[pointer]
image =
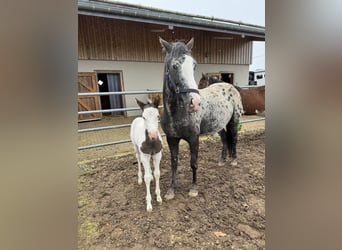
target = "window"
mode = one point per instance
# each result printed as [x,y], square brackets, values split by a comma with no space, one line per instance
[259,76]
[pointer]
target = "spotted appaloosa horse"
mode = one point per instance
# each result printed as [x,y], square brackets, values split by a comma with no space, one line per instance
[189,112]
[148,144]
[253,99]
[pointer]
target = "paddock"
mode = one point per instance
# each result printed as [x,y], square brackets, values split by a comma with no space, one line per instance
[229,212]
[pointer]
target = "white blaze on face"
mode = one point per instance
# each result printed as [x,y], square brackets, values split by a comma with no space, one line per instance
[188,76]
[151,118]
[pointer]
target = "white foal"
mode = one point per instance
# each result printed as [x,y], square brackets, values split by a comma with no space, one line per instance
[147,143]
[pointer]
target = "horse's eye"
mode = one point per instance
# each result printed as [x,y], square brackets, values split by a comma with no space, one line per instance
[175,66]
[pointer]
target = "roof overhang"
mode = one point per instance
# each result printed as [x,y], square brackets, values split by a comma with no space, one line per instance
[123,11]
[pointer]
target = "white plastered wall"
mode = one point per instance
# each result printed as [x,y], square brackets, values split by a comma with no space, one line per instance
[149,76]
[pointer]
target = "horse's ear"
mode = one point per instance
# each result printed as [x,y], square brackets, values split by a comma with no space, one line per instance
[165,45]
[156,101]
[190,44]
[140,103]
[203,75]
[149,101]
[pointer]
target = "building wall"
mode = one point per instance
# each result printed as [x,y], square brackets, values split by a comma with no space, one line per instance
[102,38]
[149,75]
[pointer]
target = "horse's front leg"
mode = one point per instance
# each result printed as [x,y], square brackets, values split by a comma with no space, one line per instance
[145,159]
[194,144]
[156,163]
[137,154]
[174,147]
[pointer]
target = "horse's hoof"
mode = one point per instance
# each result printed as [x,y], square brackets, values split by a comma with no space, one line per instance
[149,208]
[221,163]
[169,195]
[193,192]
[139,181]
[159,199]
[234,163]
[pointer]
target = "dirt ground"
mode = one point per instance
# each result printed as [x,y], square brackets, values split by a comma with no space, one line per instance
[228,213]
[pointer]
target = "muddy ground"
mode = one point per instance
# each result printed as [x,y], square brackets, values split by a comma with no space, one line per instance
[228,213]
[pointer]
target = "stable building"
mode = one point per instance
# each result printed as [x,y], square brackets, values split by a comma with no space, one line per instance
[119,50]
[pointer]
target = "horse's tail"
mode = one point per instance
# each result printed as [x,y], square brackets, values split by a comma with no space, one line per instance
[238,107]
[232,127]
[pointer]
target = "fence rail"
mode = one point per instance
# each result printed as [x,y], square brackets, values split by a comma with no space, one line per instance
[250,86]
[121,109]
[121,93]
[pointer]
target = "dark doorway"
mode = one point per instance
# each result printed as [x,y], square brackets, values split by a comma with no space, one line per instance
[111,83]
[227,77]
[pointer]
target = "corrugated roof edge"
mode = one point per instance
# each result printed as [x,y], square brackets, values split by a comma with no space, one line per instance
[141,13]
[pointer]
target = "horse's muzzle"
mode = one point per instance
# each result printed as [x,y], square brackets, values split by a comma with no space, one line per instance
[153,135]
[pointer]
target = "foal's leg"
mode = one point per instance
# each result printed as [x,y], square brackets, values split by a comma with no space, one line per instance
[156,163]
[223,135]
[174,147]
[145,158]
[194,143]
[137,154]
[233,129]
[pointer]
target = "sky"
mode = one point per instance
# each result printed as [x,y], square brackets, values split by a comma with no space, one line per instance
[247,11]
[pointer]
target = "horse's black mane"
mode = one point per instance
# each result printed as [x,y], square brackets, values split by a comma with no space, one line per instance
[213,80]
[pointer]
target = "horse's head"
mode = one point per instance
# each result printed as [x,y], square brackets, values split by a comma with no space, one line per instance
[151,117]
[204,81]
[207,80]
[179,72]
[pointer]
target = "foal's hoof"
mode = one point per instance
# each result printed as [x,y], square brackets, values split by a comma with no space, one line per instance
[170,194]
[159,200]
[193,192]
[234,162]
[139,181]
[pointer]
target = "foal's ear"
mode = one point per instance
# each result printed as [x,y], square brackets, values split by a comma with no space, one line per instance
[165,45]
[156,101]
[203,75]
[190,44]
[141,104]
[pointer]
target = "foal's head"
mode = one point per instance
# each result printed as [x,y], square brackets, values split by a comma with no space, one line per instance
[179,70]
[151,117]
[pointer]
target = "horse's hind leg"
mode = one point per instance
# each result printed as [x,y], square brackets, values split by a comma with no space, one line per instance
[229,141]
[223,135]
[174,147]
[232,136]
